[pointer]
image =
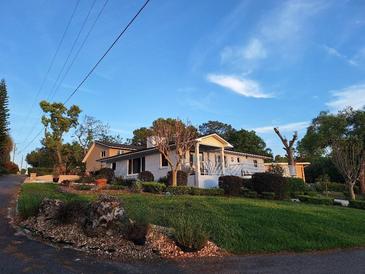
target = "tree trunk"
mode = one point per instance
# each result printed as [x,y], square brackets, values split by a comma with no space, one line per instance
[351,190]
[291,163]
[362,178]
[61,166]
[174,177]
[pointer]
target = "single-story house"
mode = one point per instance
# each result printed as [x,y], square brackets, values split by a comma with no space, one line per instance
[100,150]
[215,158]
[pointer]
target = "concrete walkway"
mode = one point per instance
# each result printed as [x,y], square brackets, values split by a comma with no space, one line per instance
[21,255]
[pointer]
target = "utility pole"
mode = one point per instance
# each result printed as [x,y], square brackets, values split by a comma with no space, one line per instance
[21,164]
[14,149]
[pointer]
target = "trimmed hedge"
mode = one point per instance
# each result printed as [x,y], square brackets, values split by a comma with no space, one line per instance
[270,182]
[357,204]
[315,200]
[187,190]
[296,186]
[146,176]
[153,187]
[268,195]
[40,170]
[123,181]
[231,185]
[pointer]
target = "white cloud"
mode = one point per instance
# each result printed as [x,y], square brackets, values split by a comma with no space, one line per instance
[352,96]
[241,86]
[297,126]
[253,50]
[333,52]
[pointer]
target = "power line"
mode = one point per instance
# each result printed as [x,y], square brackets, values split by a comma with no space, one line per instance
[107,51]
[51,64]
[97,63]
[53,89]
[81,46]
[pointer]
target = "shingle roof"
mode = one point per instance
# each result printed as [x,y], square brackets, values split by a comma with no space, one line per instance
[117,145]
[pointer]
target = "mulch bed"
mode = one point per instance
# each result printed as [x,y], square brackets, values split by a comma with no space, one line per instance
[158,243]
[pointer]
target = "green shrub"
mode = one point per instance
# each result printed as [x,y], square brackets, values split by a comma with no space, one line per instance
[357,204]
[136,187]
[268,195]
[207,191]
[329,186]
[182,178]
[315,200]
[146,176]
[28,205]
[164,180]
[153,187]
[86,180]
[40,170]
[231,185]
[189,234]
[116,187]
[296,186]
[179,190]
[251,194]
[10,167]
[123,181]
[270,182]
[83,187]
[105,173]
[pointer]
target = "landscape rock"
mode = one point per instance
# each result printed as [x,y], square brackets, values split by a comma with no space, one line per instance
[49,208]
[106,216]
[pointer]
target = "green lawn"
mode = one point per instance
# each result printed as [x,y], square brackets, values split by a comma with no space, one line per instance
[241,225]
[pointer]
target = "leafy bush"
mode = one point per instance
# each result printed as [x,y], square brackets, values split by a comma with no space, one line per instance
[276,169]
[329,186]
[207,191]
[231,184]
[179,190]
[11,167]
[40,170]
[182,178]
[3,170]
[270,182]
[164,180]
[268,195]
[123,181]
[105,173]
[136,187]
[83,187]
[116,187]
[153,187]
[357,204]
[315,200]
[146,176]
[189,234]
[248,193]
[296,186]
[86,180]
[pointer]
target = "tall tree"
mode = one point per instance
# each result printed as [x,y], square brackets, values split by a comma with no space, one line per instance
[222,129]
[348,156]
[289,149]
[249,142]
[327,128]
[140,136]
[57,121]
[4,122]
[89,130]
[173,139]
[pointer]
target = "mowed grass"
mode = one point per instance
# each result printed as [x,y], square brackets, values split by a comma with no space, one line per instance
[242,225]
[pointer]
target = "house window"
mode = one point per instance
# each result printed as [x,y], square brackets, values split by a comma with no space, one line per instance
[238,159]
[136,165]
[103,154]
[164,162]
[114,166]
[255,163]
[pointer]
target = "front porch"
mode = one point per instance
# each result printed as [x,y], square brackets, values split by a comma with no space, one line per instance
[210,159]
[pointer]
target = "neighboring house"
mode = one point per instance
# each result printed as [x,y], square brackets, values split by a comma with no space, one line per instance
[215,159]
[299,168]
[100,150]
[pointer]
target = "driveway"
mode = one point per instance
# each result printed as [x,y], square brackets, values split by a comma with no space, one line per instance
[21,255]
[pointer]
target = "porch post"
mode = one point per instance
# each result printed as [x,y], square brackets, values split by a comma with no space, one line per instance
[222,160]
[197,165]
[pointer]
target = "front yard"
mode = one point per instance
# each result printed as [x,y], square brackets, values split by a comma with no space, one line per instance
[239,225]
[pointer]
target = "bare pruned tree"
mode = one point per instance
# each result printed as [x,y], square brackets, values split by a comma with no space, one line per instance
[173,139]
[288,147]
[348,156]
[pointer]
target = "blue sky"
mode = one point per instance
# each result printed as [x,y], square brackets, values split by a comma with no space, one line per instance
[253,64]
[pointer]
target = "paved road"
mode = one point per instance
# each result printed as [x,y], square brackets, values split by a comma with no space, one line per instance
[21,255]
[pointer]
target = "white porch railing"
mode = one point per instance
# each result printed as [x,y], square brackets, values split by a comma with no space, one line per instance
[238,169]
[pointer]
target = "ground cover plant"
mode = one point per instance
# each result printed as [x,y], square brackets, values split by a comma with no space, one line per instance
[237,224]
